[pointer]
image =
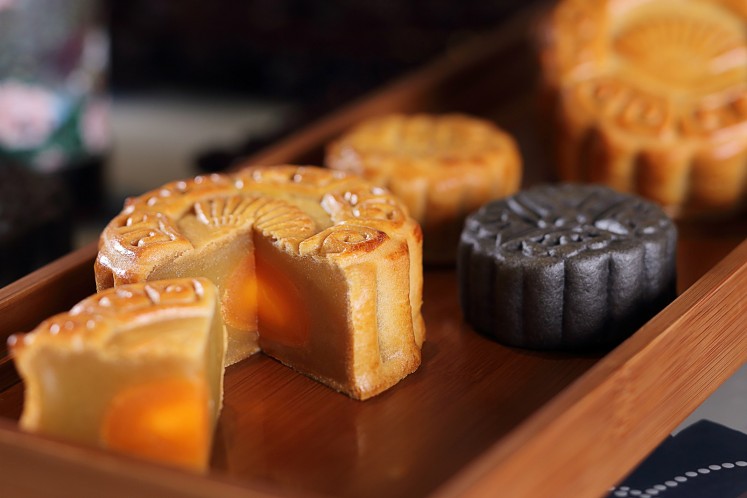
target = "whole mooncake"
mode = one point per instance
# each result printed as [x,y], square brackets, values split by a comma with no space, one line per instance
[650,97]
[442,166]
[565,266]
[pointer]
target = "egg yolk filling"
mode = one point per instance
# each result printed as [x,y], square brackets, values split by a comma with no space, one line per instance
[261,296]
[166,421]
[282,316]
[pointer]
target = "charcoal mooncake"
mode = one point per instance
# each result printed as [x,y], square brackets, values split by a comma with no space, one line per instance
[565,266]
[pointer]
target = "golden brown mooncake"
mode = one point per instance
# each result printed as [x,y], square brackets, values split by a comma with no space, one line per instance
[650,97]
[137,369]
[316,268]
[442,167]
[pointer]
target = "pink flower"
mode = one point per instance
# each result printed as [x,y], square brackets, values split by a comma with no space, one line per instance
[94,125]
[7,4]
[27,115]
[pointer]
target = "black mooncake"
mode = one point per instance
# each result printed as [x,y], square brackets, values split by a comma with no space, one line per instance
[565,267]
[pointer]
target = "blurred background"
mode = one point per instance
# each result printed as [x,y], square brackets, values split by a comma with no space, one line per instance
[245,73]
[103,99]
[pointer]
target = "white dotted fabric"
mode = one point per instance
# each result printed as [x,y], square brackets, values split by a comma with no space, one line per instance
[661,489]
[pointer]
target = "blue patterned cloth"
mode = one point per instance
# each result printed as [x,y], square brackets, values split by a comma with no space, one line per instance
[706,460]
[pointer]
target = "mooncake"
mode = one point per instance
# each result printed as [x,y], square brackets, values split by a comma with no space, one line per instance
[137,370]
[566,267]
[319,269]
[442,166]
[650,97]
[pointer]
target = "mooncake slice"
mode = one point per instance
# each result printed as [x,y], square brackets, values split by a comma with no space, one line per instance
[319,269]
[137,369]
[566,267]
[442,166]
[650,97]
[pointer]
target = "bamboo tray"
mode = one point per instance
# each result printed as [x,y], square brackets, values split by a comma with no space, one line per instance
[477,419]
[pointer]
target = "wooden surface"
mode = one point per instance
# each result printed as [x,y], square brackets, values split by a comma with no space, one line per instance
[477,419]
[622,407]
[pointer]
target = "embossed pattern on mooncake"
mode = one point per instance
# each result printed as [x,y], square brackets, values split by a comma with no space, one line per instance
[442,167]
[565,266]
[649,98]
[682,51]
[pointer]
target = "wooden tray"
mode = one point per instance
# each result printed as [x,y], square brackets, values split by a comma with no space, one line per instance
[477,418]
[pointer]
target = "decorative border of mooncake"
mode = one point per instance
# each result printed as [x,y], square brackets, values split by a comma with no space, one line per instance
[95,316]
[362,216]
[690,157]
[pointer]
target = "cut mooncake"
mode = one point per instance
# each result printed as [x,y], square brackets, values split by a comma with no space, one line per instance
[316,268]
[566,267]
[650,97]
[137,369]
[441,166]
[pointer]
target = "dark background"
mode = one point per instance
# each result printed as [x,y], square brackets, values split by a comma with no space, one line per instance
[311,56]
[313,53]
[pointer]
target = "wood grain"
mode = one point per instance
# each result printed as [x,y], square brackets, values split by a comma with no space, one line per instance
[301,435]
[40,467]
[617,412]
[477,419]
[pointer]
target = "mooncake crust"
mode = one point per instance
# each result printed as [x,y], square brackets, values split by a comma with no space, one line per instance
[96,321]
[566,267]
[650,98]
[441,166]
[311,214]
